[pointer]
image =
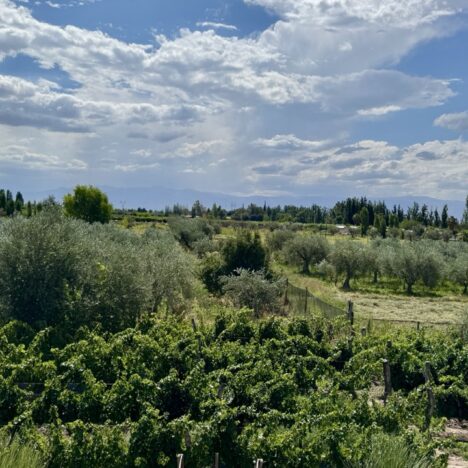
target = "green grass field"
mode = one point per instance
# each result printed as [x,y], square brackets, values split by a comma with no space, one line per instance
[385,303]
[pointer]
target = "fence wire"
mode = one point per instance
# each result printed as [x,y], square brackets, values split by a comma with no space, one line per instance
[301,302]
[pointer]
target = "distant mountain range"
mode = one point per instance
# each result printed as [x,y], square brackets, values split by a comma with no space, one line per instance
[157,198]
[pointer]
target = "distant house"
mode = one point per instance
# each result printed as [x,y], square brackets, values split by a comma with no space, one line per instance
[342,229]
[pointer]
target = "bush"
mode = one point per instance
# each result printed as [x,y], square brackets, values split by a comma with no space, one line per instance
[252,290]
[56,270]
[244,251]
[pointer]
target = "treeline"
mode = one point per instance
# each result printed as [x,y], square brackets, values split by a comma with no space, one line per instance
[12,205]
[9,204]
[352,211]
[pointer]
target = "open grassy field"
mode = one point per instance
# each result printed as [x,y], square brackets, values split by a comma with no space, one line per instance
[384,304]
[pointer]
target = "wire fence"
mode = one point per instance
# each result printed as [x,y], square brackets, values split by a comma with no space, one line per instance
[300,302]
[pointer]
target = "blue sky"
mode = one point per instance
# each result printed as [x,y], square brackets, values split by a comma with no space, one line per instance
[306,97]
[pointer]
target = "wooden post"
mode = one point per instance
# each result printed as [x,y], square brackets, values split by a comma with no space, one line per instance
[429,378]
[306,298]
[259,463]
[180,460]
[418,326]
[220,391]
[363,331]
[195,329]
[188,439]
[387,380]
[431,403]
[286,293]
[216,460]
[351,312]
[389,344]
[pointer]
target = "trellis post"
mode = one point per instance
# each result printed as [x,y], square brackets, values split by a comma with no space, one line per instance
[387,380]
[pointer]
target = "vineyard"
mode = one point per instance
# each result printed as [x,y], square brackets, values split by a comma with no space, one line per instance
[292,392]
[179,347]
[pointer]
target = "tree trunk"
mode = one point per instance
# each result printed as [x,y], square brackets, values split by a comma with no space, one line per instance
[376,277]
[346,283]
[465,290]
[409,288]
[305,268]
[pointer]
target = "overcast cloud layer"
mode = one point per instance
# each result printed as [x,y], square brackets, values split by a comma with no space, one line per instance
[268,113]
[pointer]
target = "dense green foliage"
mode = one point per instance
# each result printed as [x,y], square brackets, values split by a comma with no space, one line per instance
[253,290]
[292,392]
[89,204]
[245,251]
[56,270]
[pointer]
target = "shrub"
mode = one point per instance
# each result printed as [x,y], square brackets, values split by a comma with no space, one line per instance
[252,290]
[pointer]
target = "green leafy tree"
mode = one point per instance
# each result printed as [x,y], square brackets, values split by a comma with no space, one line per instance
[89,204]
[349,260]
[29,209]
[19,202]
[244,251]
[276,239]
[190,231]
[465,212]
[444,217]
[198,209]
[416,261]
[41,260]
[364,215]
[305,251]
[2,199]
[10,207]
[251,289]
[458,270]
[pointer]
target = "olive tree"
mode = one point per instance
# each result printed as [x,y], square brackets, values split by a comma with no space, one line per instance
[458,271]
[42,265]
[414,261]
[189,231]
[57,270]
[253,290]
[304,251]
[170,271]
[349,259]
[117,290]
[430,263]
[276,240]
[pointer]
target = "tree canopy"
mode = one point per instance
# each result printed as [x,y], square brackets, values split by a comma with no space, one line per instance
[89,204]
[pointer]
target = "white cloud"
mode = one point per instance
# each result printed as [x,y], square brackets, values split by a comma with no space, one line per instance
[288,143]
[214,25]
[201,98]
[20,157]
[456,121]
[377,168]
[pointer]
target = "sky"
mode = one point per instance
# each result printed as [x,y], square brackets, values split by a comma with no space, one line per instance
[253,97]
